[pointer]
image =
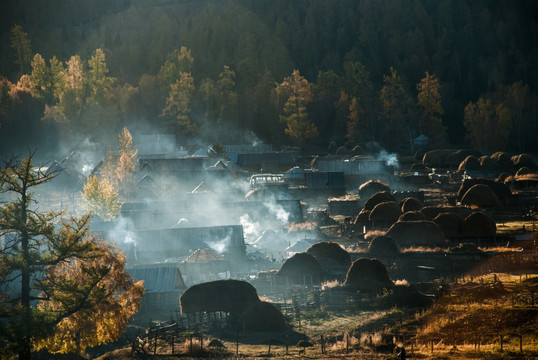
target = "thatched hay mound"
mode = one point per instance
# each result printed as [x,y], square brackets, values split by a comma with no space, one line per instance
[469,163]
[386,213]
[363,218]
[430,212]
[357,150]
[378,198]
[454,158]
[419,154]
[383,246]
[487,163]
[368,274]
[479,224]
[412,216]
[501,190]
[233,296]
[481,196]
[330,254]
[370,188]
[300,265]
[342,150]
[524,171]
[466,248]
[522,160]
[502,177]
[411,204]
[503,159]
[416,233]
[436,158]
[262,317]
[449,223]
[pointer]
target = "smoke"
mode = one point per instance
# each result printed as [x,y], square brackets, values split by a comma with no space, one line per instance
[277,210]
[391,159]
[251,229]
[123,232]
[220,246]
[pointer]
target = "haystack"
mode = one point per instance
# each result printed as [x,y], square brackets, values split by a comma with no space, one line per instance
[378,198]
[469,163]
[449,223]
[481,196]
[487,163]
[368,274]
[524,171]
[233,296]
[503,159]
[479,224]
[363,218]
[436,158]
[501,190]
[357,150]
[385,213]
[410,204]
[262,317]
[301,267]
[502,177]
[416,233]
[370,188]
[412,216]
[430,212]
[383,246]
[330,255]
[522,160]
[454,158]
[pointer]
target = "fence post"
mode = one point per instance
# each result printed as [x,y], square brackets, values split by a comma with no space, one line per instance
[237,342]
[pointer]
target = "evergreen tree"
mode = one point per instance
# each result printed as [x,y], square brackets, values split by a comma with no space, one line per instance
[21,44]
[429,102]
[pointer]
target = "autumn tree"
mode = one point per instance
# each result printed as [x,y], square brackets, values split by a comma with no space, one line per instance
[177,108]
[295,92]
[397,112]
[177,61]
[21,45]
[55,275]
[100,198]
[517,99]
[488,124]
[127,161]
[431,110]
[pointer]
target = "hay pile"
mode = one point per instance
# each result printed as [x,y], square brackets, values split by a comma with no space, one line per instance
[367,274]
[469,163]
[378,198]
[383,246]
[479,225]
[502,177]
[523,160]
[301,265]
[363,218]
[487,163]
[385,213]
[524,171]
[418,167]
[501,190]
[503,159]
[370,188]
[231,296]
[416,233]
[449,223]
[481,196]
[412,216]
[411,204]
[436,158]
[454,158]
[262,317]
[330,255]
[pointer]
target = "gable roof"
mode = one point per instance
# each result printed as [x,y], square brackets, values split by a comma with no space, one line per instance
[203,255]
[159,278]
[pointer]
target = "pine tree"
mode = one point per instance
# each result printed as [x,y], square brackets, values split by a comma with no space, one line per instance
[53,270]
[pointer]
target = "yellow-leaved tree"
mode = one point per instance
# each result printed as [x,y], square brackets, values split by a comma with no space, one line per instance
[100,197]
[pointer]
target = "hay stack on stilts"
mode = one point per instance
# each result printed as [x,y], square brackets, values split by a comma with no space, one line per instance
[378,198]
[332,258]
[383,247]
[262,317]
[301,268]
[416,233]
[370,188]
[412,216]
[479,225]
[368,275]
[385,214]
[410,204]
[481,196]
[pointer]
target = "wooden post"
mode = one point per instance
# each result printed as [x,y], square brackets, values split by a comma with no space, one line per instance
[201,343]
[501,343]
[347,343]
[322,341]
[286,344]
[432,346]
[190,349]
[172,344]
[156,335]
[520,343]
[269,351]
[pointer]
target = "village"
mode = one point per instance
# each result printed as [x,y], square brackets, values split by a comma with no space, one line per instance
[259,241]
